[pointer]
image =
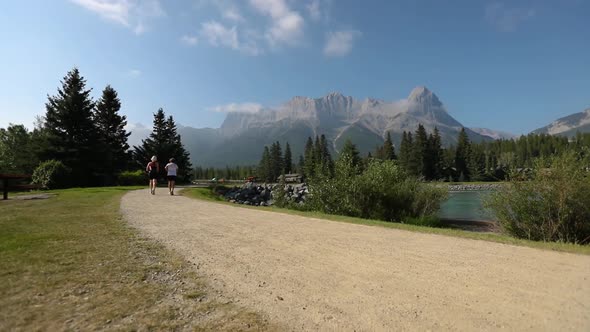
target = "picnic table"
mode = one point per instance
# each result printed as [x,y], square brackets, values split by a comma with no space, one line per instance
[7,177]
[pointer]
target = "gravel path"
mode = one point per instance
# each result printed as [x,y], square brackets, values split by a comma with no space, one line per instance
[311,274]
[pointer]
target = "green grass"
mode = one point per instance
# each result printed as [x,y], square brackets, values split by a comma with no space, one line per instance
[70,263]
[207,194]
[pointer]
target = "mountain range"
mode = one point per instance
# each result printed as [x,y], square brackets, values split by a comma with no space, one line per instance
[568,125]
[242,136]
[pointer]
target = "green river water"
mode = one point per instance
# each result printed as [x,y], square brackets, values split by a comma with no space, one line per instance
[465,205]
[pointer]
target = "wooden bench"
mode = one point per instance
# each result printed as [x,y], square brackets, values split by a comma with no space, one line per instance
[6,178]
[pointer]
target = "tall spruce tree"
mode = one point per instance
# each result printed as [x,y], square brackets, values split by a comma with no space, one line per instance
[387,151]
[276,157]
[435,155]
[421,151]
[309,159]
[71,133]
[404,151]
[326,162]
[462,156]
[265,167]
[112,135]
[177,151]
[164,142]
[288,159]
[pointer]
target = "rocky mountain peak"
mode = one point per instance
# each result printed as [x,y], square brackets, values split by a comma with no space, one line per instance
[422,95]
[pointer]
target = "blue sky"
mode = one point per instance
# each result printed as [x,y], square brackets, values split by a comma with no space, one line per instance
[506,65]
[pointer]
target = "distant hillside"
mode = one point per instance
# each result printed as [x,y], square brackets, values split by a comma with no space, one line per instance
[495,134]
[568,125]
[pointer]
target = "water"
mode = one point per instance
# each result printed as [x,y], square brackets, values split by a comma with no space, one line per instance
[466,205]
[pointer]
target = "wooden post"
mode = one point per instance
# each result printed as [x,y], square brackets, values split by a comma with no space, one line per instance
[5,182]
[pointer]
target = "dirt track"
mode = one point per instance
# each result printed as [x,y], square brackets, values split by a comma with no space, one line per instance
[311,274]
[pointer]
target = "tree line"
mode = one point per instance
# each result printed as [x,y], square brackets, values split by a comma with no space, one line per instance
[422,155]
[86,138]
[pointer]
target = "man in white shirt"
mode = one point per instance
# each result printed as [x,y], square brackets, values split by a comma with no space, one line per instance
[171,171]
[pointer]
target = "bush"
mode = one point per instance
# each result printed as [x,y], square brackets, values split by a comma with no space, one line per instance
[383,191]
[132,178]
[552,205]
[52,174]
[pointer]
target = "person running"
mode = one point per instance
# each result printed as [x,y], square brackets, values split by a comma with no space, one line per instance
[171,170]
[153,169]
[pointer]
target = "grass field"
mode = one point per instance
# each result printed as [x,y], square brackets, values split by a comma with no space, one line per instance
[71,263]
[207,194]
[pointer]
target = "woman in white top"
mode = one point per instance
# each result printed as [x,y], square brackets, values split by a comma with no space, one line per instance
[171,170]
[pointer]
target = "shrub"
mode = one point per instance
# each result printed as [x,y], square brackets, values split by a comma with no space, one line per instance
[52,174]
[552,205]
[132,178]
[383,191]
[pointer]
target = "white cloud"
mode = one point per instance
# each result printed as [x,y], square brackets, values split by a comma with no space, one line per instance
[219,35]
[286,26]
[339,43]
[237,108]
[134,73]
[507,19]
[232,14]
[189,40]
[129,13]
[313,8]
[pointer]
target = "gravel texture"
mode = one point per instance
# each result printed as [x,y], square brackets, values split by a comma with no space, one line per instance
[311,274]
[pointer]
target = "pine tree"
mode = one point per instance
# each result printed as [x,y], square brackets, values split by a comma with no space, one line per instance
[326,162]
[264,167]
[309,159]
[404,151]
[175,149]
[413,163]
[276,157]
[388,151]
[435,155]
[164,142]
[71,133]
[462,155]
[288,159]
[152,146]
[420,151]
[111,134]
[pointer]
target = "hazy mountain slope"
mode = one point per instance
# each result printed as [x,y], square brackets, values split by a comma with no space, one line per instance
[495,134]
[568,125]
[242,136]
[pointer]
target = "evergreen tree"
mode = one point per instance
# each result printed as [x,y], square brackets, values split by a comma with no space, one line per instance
[404,150]
[264,167]
[152,146]
[435,170]
[288,159]
[111,134]
[350,151]
[276,158]
[71,133]
[326,162]
[421,152]
[175,149]
[164,142]
[301,165]
[388,149]
[462,155]
[309,159]
[414,162]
